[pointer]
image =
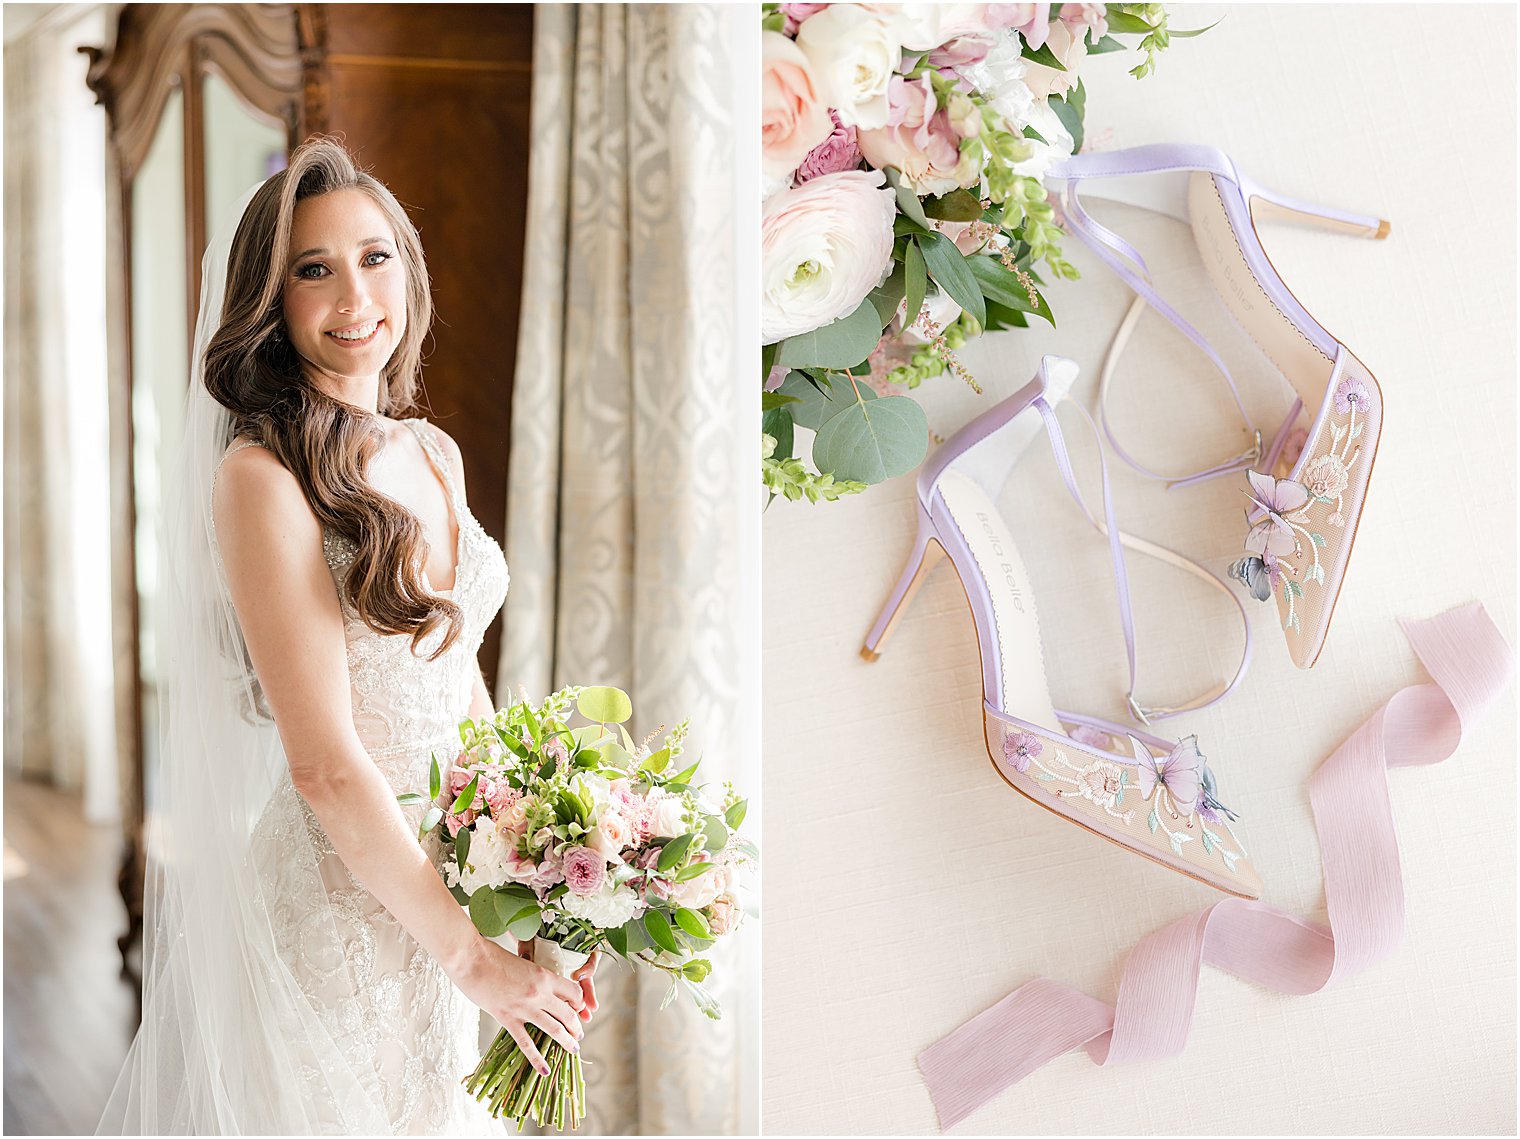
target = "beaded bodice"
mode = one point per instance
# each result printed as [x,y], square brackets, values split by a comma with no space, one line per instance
[403,702]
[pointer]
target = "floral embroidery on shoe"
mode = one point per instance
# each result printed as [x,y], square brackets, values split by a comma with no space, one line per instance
[1275,545]
[1019,748]
[1178,787]
[1092,737]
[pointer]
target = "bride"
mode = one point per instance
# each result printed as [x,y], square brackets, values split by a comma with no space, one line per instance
[307,970]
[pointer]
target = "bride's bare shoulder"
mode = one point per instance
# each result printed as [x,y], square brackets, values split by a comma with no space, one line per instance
[255,490]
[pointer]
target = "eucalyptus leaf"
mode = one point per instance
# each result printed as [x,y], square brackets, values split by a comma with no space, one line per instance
[842,344]
[886,297]
[948,267]
[715,832]
[657,761]
[485,913]
[815,407]
[617,938]
[605,705]
[771,401]
[526,927]
[459,895]
[875,441]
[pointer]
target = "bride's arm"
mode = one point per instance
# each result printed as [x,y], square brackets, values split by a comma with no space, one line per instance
[283,594]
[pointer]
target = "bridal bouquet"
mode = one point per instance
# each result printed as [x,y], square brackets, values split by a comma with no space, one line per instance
[903,151]
[578,839]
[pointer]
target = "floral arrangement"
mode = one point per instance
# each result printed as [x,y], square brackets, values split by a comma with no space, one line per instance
[579,840]
[902,154]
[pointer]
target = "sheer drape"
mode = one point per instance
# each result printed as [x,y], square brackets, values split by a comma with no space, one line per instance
[632,511]
[59,714]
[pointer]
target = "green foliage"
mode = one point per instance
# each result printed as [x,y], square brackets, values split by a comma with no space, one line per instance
[605,705]
[873,442]
[842,344]
[790,479]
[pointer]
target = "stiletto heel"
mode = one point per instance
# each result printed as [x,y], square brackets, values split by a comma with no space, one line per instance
[1149,795]
[1299,529]
[926,554]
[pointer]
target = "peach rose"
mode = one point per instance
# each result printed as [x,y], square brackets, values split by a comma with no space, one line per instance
[793,119]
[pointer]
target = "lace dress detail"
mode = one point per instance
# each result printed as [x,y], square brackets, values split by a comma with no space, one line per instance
[388,1007]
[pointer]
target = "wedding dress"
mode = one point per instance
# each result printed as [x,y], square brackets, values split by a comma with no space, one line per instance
[387,1005]
[279,996]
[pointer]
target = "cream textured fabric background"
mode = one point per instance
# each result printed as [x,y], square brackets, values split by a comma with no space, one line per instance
[907,888]
[631,506]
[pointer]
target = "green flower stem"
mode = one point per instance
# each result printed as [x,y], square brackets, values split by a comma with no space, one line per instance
[509,1086]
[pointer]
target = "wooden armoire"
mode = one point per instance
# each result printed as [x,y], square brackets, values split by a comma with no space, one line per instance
[203,100]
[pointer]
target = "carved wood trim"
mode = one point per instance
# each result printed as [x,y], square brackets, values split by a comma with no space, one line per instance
[316,80]
[253,46]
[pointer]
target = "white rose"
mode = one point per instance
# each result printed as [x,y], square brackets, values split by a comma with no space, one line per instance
[854,54]
[669,817]
[1056,147]
[595,787]
[824,246]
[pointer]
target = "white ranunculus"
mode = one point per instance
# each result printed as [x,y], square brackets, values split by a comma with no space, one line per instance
[609,907]
[854,54]
[824,246]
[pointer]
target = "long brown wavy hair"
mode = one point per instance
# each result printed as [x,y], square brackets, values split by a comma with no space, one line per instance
[252,369]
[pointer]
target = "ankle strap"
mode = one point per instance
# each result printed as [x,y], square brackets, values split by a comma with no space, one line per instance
[1127,263]
[1117,541]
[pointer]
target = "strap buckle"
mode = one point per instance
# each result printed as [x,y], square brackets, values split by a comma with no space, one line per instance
[1141,714]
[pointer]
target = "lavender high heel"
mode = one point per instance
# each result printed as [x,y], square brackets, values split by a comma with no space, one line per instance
[1152,796]
[1299,529]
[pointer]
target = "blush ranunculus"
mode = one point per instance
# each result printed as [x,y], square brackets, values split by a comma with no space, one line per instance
[613,832]
[724,914]
[1070,47]
[1032,21]
[824,246]
[793,117]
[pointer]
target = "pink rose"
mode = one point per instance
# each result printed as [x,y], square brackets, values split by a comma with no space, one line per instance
[824,246]
[695,893]
[584,870]
[793,119]
[838,152]
[1032,21]
[724,914]
[921,139]
[1085,16]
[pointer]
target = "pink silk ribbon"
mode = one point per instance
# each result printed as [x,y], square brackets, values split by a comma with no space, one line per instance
[1472,665]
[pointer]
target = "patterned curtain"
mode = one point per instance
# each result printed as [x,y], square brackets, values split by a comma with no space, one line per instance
[60,716]
[632,517]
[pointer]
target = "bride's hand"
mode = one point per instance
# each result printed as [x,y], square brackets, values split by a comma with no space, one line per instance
[585,975]
[518,993]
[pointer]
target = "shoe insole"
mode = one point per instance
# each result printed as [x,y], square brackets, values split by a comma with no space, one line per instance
[1009,616]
